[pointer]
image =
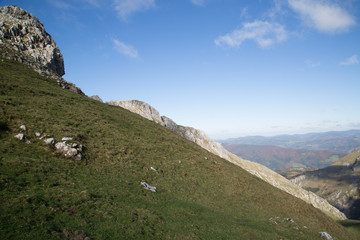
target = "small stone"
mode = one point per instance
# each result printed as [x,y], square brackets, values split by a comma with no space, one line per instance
[74,145]
[27,141]
[326,235]
[37,134]
[154,170]
[148,187]
[23,127]
[20,136]
[49,141]
[67,139]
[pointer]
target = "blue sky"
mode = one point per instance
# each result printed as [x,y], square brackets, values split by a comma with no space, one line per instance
[229,67]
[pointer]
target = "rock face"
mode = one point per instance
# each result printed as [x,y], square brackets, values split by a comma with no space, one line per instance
[200,138]
[141,108]
[23,38]
[24,33]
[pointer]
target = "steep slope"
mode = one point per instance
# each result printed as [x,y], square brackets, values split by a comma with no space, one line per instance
[338,183]
[279,158]
[199,195]
[200,138]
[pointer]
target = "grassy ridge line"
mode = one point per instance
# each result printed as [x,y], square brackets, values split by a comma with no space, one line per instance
[47,197]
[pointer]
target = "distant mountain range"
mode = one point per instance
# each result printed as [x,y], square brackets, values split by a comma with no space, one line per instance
[278,158]
[312,150]
[338,141]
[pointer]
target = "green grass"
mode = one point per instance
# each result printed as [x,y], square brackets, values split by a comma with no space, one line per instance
[332,159]
[352,225]
[199,195]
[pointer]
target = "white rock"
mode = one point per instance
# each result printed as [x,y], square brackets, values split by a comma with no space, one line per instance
[66,149]
[37,134]
[49,141]
[20,136]
[23,127]
[148,187]
[154,170]
[67,139]
[325,235]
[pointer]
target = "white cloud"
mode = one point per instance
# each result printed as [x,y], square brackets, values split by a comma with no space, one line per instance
[198,2]
[59,4]
[312,64]
[125,49]
[262,32]
[351,60]
[91,2]
[324,16]
[127,7]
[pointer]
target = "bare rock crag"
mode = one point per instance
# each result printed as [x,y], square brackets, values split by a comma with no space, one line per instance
[25,33]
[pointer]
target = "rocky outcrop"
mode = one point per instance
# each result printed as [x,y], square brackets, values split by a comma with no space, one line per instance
[97,98]
[25,33]
[201,138]
[23,39]
[141,108]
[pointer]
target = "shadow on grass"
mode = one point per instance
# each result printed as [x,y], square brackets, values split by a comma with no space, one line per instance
[352,225]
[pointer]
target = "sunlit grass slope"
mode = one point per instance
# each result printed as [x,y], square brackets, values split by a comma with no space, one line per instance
[199,195]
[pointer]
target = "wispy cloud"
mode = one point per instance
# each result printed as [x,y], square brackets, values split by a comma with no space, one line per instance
[198,2]
[351,60]
[126,7]
[91,2]
[312,64]
[59,4]
[125,49]
[323,15]
[262,32]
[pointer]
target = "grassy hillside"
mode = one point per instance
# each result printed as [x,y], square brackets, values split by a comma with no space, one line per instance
[199,195]
[279,158]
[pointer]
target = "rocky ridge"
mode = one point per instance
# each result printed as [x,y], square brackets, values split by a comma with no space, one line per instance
[201,138]
[23,38]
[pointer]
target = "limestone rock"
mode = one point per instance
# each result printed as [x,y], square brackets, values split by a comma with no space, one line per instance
[20,136]
[24,33]
[141,108]
[23,127]
[23,38]
[97,98]
[148,187]
[49,141]
[68,151]
[325,235]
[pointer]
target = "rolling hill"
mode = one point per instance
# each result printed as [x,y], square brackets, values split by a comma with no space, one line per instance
[279,158]
[338,141]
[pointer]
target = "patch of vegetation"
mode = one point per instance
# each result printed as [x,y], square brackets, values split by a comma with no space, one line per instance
[332,159]
[199,195]
[314,190]
[352,225]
